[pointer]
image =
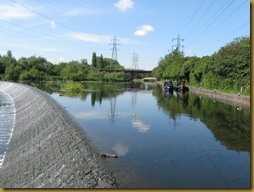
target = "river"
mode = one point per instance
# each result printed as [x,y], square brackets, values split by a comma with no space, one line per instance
[162,140]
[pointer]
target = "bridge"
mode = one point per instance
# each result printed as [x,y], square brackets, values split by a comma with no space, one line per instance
[131,73]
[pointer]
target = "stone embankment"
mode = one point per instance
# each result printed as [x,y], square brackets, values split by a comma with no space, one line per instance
[236,100]
[47,148]
[232,99]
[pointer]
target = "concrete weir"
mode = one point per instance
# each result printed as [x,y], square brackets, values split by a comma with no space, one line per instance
[47,148]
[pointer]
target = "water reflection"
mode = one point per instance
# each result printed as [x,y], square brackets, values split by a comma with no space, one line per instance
[120,149]
[140,125]
[91,115]
[229,125]
[113,114]
[168,94]
[185,141]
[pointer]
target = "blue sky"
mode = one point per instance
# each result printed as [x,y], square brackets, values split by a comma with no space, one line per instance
[65,30]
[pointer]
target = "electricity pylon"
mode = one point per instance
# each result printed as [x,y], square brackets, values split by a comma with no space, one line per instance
[178,43]
[135,61]
[114,49]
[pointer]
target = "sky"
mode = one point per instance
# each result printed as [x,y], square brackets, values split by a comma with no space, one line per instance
[66,30]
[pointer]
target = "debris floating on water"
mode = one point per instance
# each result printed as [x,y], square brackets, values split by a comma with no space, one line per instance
[105,155]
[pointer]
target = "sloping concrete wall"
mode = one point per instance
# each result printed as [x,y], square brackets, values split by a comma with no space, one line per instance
[47,148]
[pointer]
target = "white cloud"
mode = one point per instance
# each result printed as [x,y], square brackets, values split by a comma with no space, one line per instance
[30,46]
[79,11]
[14,12]
[143,30]
[53,24]
[130,41]
[48,49]
[124,5]
[93,38]
[56,60]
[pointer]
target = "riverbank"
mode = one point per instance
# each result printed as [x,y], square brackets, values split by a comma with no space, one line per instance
[236,100]
[47,148]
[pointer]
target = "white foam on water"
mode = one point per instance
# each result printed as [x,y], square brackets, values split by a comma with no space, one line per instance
[7,121]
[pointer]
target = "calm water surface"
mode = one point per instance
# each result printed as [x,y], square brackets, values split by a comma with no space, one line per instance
[164,141]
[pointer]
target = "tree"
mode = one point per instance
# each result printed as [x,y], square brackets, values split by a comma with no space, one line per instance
[12,72]
[231,65]
[9,54]
[101,63]
[94,60]
[228,69]
[32,75]
[2,67]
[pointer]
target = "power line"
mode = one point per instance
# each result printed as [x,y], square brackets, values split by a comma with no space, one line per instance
[222,10]
[24,27]
[203,16]
[54,10]
[23,22]
[35,31]
[42,15]
[200,5]
[59,12]
[227,17]
[222,38]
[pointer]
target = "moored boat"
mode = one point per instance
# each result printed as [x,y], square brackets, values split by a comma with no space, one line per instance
[168,85]
[180,86]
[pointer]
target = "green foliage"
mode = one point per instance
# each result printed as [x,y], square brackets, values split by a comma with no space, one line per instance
[38,69]
[74,71]
[119,76]
[111,64]
[94,60]
[71,86]
[12,72]
[101,63]
[95,75]
[32,75]
[226,70]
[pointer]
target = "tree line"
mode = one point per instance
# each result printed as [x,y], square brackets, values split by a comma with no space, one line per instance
[39,69]
[228,69]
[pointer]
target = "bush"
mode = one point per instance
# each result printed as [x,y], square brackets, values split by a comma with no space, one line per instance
[71,86]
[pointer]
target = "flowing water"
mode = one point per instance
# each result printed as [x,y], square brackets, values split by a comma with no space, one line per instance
[7,117]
